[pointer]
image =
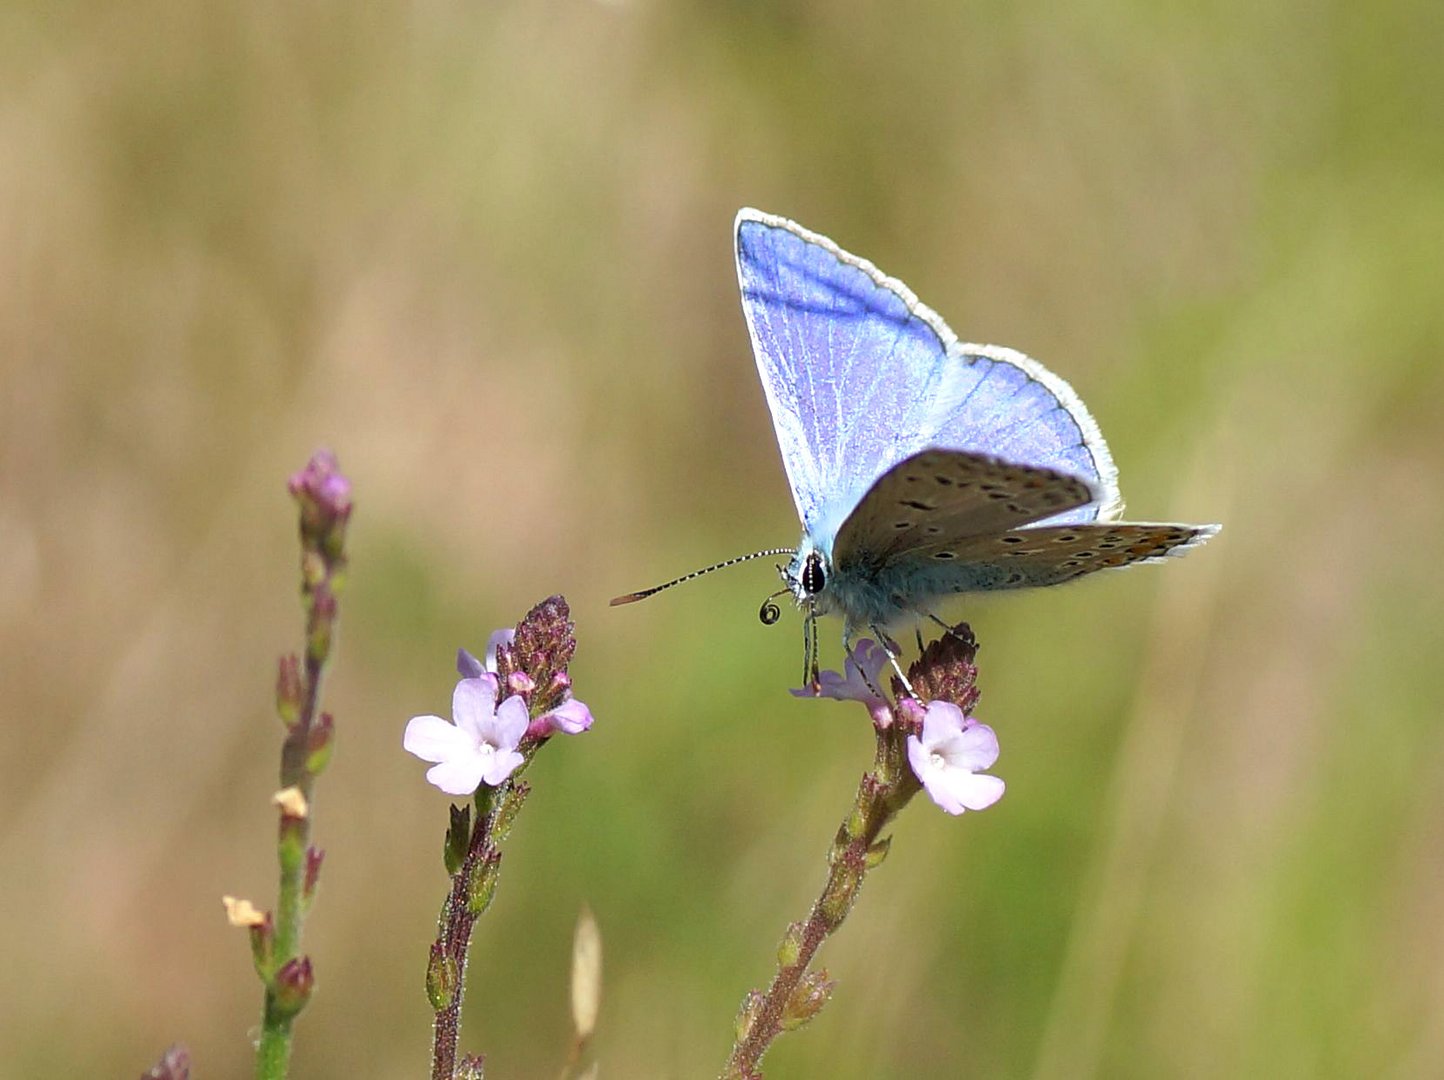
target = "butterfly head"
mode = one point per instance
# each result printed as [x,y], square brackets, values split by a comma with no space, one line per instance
[806,576]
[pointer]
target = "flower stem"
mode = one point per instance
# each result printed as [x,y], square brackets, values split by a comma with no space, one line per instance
[472,887]
[324,497]
[797,995]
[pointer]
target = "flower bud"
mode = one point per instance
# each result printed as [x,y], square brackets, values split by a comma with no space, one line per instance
[508,808]
[842,891]
[290,689]
[314,857]
[320,625]
[791,948]
[443,977]
[946,670]
[481,889]
[747,1014]
[458,838]
[319,741]
[324,495]
[807,1000]
[293,985]
[910,712]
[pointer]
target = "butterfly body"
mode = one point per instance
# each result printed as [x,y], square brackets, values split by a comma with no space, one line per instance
[921,467]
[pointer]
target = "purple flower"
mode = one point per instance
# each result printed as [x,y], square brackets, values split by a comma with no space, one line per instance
[323,486]
[480,747]
[571,717]
[949,755]
[862,681]
[469,667]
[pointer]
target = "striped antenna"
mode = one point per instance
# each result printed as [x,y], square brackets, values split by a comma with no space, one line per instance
[632,598]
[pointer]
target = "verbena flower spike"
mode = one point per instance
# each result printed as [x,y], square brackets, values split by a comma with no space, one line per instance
[926,740]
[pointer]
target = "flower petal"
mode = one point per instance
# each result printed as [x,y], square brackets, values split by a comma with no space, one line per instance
[460,775]
[974,748]
[979,791]
[505,730]
[468,666]
[473,703]
[501,765]
[504,636]
[942,721]
[957,791]
[861,671]
[868,659]
[571,717]
[952,787]
[433,739]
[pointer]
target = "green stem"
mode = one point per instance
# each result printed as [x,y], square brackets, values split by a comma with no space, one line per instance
[472,887]
[281,1007]
[881,794]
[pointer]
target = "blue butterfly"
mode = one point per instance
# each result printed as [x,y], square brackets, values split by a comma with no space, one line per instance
[921,467]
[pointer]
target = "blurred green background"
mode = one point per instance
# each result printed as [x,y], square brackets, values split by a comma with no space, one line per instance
[483,251]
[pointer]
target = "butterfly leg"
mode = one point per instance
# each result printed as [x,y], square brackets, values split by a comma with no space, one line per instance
[810,676]
[965,634]
[848,657]
[890,647]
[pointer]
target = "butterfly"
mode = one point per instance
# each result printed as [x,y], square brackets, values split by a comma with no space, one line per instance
[921,467]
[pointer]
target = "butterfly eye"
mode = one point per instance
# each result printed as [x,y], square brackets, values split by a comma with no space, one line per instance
[813,577]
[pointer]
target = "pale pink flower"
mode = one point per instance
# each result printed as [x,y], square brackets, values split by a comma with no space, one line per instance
[948,758]
[480,747]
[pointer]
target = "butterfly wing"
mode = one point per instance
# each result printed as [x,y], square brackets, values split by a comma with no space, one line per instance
[1048,555]
[950,521]
[859,374]
[944,496]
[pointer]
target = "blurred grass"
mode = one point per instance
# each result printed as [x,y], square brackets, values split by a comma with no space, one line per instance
[483,251]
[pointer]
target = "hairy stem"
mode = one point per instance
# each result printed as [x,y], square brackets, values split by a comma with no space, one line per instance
[324,498]
[795,994]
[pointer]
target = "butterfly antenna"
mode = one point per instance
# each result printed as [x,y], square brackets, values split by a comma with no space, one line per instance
[632,598]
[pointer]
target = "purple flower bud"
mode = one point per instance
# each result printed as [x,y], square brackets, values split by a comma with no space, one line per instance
[571,717]
[910,712]
[946,670]
[314,857]
[320,740]
[294,984]
[322,490]
[290,689]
